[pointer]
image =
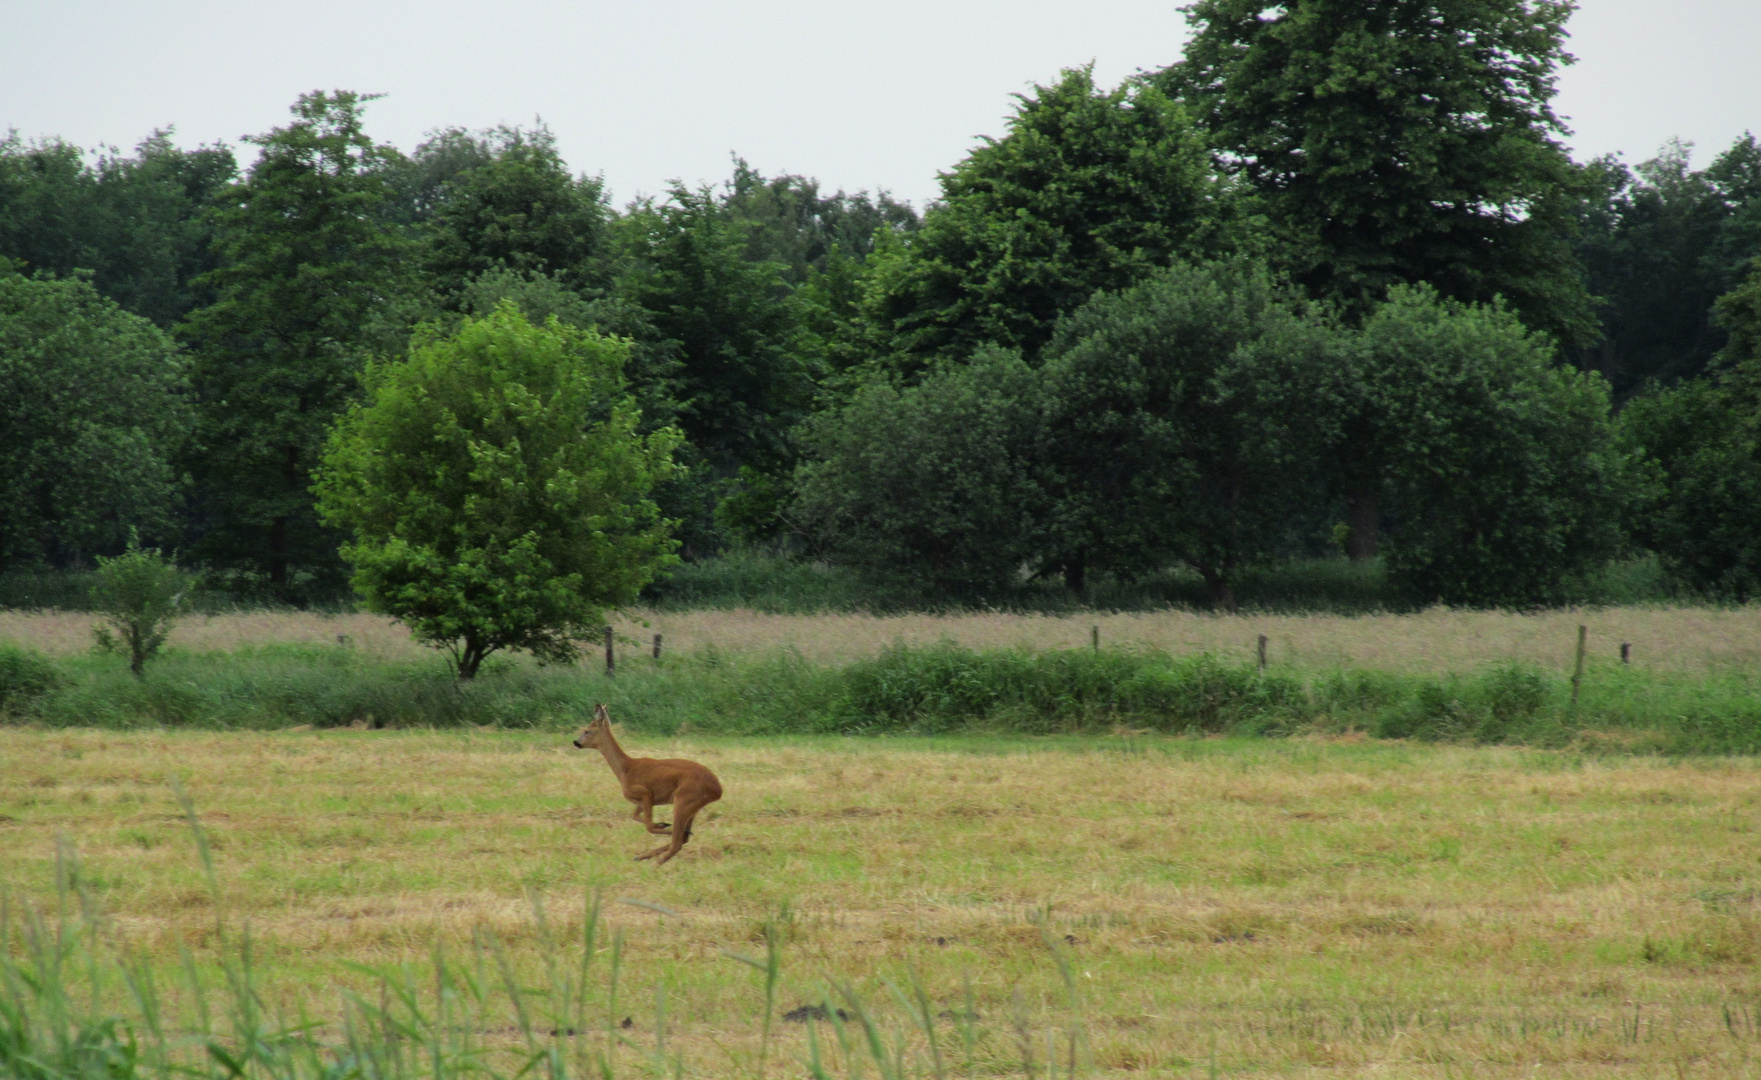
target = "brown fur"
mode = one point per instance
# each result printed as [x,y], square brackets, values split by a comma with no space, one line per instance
[652,782]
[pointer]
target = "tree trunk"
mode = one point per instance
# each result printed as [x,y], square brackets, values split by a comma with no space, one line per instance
[1076,573]
[1364,516]
[471,659]
[278,556]
[1222,591]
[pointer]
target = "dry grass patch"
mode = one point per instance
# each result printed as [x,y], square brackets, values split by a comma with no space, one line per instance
[1295,906]
[1690,640]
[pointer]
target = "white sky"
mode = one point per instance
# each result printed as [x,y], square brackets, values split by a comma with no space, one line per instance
[861,95]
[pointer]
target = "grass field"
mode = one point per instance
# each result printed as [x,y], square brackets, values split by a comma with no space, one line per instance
[1226,907]
[1683,640]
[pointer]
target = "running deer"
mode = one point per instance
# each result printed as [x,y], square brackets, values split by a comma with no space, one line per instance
[649,783]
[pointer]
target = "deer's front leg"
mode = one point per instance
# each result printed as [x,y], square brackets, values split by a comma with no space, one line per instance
[645,812]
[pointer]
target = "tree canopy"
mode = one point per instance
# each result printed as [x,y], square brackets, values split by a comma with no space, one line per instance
[307,268]
[91,416]
[495,483]
[1398,141]
[1088,189]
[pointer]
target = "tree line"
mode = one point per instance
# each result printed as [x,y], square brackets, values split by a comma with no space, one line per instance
[1330,281]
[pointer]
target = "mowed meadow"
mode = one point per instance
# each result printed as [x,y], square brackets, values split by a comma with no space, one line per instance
[1108,901]
[1172,906]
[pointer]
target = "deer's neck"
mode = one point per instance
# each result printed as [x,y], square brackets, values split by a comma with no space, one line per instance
[614,756]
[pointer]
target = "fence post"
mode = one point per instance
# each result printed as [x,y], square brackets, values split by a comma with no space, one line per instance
[1626,652]
[1577,674]
[1262,654]
[1094,637]
[657,646]
[611,660]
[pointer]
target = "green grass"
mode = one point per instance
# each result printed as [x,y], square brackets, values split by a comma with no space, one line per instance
[903,690]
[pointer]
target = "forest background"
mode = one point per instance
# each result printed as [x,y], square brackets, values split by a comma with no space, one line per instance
[1327,286]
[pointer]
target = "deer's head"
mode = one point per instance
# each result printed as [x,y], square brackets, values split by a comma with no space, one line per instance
[593,736]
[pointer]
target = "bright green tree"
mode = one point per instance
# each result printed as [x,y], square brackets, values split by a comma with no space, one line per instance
[1498,464]
[497,487]
[1398,141]
[307,266]
[91,418]
[1088,190]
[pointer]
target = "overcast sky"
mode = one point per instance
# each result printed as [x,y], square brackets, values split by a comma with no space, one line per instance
[861,95]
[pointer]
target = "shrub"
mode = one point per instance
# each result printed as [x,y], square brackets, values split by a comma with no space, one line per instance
[25,676]
[141,593]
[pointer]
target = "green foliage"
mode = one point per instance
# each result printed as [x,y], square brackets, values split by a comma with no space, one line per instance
[1661,243]
[1501,704]
[141,593]
[1186,414]
[932,482]
[517,208]
[1088,190]
[1699,448]
[1499,465]
[91,416]
[791,224]
[138,224]
[947,686]
[906,690]
[740,386]
[1389,142]
[308,268]
[26,676]
[497,487]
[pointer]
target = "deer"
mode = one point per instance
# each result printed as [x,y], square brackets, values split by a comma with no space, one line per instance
[652,782]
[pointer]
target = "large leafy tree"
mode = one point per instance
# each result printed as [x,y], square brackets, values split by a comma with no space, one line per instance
[740,384]
[1186,415]
[1089,189]
[307,266]
[138,223]
[1398,141]
[933,482]
[91,415]
[496,483]
[1497,464]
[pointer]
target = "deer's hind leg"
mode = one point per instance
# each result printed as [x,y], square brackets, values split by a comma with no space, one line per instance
[683,811]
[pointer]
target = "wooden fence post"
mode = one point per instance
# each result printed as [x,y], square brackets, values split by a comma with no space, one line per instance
[1626,652]
[1262,654]
[1577,674]
[657,646]
[1094,637]
[611,660]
